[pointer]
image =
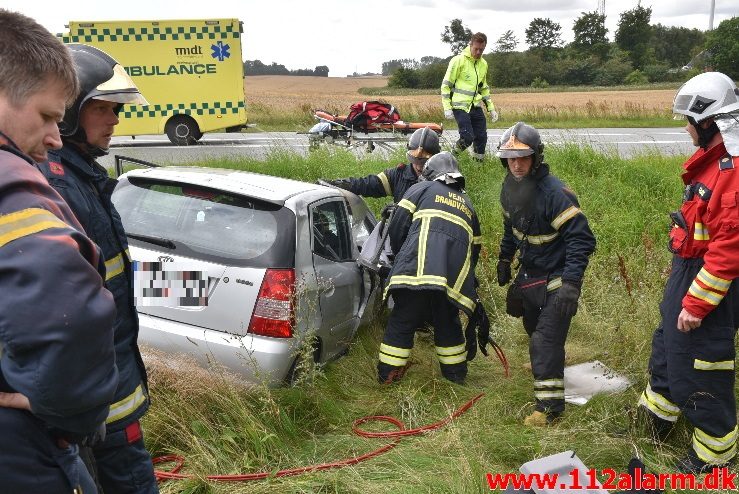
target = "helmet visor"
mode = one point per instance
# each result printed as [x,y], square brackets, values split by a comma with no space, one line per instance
[514,148]
[514,153]
[419,153]
[416,161]
[119,89]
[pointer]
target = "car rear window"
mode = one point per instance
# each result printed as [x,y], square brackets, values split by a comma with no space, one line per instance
[208,224]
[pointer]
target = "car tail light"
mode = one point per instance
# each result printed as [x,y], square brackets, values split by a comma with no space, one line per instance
[274,313]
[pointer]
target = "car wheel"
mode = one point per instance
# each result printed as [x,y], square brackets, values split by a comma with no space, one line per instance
[183,130]
[302,366]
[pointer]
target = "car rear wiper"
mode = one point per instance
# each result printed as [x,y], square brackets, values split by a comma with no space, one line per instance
[162,242]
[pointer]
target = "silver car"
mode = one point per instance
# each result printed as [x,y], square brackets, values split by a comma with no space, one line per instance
[276,260]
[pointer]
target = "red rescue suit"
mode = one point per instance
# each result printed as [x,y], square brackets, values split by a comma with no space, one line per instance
[692,373]
[711,228]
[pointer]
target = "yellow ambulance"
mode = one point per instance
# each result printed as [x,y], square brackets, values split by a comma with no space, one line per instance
[190,71]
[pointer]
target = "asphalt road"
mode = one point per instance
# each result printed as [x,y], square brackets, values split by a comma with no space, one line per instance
[625,142]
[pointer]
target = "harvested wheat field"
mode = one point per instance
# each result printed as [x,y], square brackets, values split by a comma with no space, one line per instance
[269,97]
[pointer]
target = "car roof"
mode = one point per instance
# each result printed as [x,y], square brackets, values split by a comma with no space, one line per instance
[257,185]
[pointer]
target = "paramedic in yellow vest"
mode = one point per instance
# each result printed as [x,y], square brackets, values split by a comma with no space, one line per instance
[464,93]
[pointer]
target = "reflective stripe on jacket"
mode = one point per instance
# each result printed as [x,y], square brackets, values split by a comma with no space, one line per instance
[435,234]
[56,318]
[465,83]
[552,234]
[86,187]
[711,226]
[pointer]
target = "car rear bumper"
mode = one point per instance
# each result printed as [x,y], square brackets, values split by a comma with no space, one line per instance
[259,359]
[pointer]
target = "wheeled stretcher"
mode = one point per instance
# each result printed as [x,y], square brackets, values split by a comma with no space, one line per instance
[335,129]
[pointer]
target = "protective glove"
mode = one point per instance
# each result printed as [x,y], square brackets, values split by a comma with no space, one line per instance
[483,327]
[566,300]
[342,183]
[514,301]
[493,116]
[469,337]
[388,211]
[449,114]
[478,321]
[504,271]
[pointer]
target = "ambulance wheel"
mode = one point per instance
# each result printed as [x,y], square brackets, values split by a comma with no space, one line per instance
[183,130]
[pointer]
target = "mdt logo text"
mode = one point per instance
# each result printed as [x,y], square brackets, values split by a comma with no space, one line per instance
[194,50]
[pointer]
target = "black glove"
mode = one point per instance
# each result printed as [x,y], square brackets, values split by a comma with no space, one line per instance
[469,337]
[388,211]
[514,301]
[342,183]
[566,299]
[504,271]
[483,328]
[478,321]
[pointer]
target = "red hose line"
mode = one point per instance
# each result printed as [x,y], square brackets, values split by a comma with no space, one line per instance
[501,356]
[179,461]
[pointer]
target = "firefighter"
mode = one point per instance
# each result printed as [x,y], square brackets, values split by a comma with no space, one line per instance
[57,362]
[395,182]
[544,226]
[121,462]
[464,93]
[692,362]
[435,236]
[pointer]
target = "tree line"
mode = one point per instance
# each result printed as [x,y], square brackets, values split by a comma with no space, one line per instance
[256,67]
[640,53]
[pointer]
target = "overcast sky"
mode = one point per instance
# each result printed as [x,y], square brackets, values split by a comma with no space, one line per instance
[358,35]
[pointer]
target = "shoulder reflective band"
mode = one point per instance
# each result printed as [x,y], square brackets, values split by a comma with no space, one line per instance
[27,222]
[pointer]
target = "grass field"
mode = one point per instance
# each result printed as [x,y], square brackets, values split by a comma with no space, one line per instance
[287,103]
[222,427]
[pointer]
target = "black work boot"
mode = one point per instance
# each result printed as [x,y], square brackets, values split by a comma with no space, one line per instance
[655,427]
[455,373]
[388,374]
[458,149]
[456,379]
[690,463]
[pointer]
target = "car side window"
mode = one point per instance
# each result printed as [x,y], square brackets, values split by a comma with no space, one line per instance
[330,230]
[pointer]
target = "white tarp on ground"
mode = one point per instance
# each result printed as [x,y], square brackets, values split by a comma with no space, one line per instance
[582,381]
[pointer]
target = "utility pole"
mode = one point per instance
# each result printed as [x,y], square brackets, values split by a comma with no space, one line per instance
[710,19]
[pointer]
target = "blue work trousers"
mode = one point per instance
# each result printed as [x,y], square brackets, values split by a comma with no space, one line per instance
[472,129]
[123,465]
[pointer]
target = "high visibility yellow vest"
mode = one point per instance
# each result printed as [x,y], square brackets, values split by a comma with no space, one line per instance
[465,83]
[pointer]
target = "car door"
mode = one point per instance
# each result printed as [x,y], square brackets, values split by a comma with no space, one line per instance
[363,222]
[339,277]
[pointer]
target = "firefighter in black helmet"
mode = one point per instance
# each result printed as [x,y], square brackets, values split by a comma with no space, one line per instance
[544,226]
[435,236]
[395,182]
[122,463]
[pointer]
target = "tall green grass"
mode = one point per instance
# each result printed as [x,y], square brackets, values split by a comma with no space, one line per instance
[224,427]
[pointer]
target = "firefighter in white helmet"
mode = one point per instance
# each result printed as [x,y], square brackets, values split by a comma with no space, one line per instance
[692,363]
